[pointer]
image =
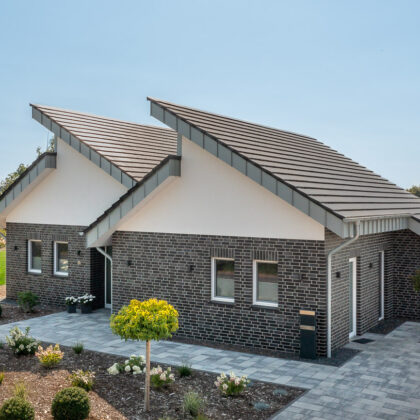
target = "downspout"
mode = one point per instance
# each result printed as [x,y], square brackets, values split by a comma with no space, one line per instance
[109,258]
[329,281]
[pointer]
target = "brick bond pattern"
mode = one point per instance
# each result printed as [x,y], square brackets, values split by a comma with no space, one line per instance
[52,289]
[407,261]
[402,258]
[161,267]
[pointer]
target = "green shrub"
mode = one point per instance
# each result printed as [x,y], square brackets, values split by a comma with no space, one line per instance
[231,384]
[160,378]
[27,301]
[50,356]
[1,377]
[184,370]
[193,404]
[21,342]
[416,281]
[83,379]
[16,408]
[78,348]
[70,404]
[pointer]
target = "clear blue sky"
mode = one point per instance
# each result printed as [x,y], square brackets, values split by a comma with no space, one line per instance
[347,73]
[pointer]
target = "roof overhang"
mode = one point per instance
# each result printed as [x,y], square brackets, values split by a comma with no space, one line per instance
[25,183]
[326,217]
[82,148]
[99,232]
[414,224]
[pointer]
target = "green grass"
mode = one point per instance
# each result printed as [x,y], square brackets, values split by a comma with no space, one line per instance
[2,267]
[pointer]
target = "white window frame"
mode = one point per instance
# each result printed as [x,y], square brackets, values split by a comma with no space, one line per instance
[30,269]
[56,272]
[213,281]
[353,333]
[255,281]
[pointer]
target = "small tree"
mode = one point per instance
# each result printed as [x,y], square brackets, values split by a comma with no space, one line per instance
[150,320]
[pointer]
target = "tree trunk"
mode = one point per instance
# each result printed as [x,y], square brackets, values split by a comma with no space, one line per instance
[147,380]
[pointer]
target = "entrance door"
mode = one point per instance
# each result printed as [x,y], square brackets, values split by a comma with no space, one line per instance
[108,278]
[381,285]
[352,296]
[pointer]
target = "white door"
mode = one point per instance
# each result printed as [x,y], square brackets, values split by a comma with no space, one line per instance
[352,296]
[381,285]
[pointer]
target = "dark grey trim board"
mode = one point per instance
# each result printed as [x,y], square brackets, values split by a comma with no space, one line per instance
[82,148]
[104,225]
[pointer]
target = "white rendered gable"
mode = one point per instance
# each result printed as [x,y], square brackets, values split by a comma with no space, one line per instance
[75,193]
[212,198]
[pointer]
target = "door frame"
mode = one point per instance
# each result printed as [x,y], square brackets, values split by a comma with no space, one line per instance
[353,261]
[382,285]
[107,305]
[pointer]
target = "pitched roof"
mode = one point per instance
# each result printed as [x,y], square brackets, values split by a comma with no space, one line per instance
[133,148]
[320,173]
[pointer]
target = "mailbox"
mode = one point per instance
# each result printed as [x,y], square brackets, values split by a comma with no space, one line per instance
[307,334]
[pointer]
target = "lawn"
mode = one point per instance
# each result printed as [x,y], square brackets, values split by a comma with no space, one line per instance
[2,267]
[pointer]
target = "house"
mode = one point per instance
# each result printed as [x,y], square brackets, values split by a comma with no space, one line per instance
[238,225]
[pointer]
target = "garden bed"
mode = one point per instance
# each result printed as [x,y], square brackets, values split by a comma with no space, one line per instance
[121,396]
[12,313]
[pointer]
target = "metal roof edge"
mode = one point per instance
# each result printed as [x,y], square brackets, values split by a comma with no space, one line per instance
[80,146]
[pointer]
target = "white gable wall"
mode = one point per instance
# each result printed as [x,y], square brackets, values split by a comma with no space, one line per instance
[213,198]
[75,193]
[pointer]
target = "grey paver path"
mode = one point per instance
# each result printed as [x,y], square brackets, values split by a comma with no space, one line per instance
[381,382]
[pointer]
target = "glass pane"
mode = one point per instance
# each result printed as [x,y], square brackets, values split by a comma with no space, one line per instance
[351,297]
[267,281]
[36,255]
[225,282]
[62,258]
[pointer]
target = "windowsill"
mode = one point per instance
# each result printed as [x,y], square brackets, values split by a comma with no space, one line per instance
[61,275]
[264,306]
[35,273]
[222,302]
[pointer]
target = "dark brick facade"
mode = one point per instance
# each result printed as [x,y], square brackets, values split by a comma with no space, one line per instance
[366,249]
[177,268]
[83,275]
[406,262]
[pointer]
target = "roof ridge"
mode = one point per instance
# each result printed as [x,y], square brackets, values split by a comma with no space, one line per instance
[39,106]
[240,120]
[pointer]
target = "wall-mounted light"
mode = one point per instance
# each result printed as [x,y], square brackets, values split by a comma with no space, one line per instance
[129,263]
[338,274]
[190,268]
[16,248]
[370,265]
[79,252]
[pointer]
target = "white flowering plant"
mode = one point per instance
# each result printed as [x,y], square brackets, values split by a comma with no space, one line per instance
[86,299]
[71,300]
[21,342]
[83,379]
[231,384]
[160,378]
[135,364]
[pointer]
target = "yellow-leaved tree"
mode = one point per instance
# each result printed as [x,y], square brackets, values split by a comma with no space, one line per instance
[149,320]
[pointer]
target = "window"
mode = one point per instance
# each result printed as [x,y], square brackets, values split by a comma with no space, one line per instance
[222,279]
[61,258]
[34,256]
[265,283]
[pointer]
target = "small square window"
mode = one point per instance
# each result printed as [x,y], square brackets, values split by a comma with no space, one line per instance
[266,283]
[61,259]
[34,256]
[223,280]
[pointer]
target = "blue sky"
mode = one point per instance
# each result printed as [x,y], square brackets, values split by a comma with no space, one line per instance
[347,73]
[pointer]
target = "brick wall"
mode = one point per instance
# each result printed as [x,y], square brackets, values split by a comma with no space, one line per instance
[366,249]
[160,267]
[407,261]
[51,289]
